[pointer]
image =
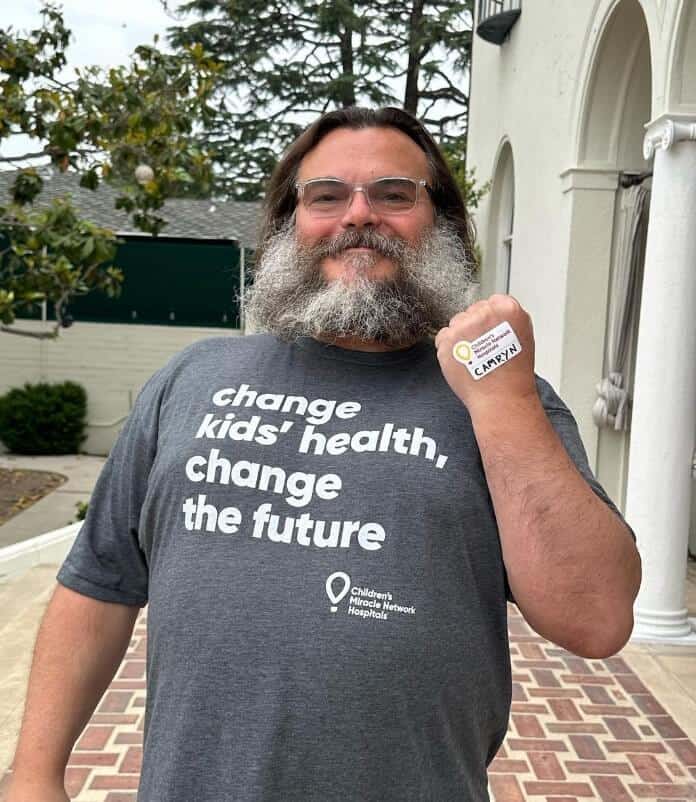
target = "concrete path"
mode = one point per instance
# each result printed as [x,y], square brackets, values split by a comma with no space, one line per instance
[58,507]
[23,600]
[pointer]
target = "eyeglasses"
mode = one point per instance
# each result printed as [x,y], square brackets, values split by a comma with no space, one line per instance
[330,197]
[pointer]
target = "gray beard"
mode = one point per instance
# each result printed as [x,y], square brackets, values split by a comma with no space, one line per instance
[291,298]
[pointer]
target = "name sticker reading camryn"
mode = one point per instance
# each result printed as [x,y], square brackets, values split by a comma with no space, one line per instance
[489,351]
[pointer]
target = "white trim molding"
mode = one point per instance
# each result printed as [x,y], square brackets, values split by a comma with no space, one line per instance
[666,131]
[594,178]
[51,547]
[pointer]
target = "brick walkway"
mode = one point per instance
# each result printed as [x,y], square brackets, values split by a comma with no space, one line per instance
[586,730]
[579,730]
[105,763]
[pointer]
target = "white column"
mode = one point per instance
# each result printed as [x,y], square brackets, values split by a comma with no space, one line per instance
[658,493]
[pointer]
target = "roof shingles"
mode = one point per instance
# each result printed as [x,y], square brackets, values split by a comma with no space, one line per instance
[197,219]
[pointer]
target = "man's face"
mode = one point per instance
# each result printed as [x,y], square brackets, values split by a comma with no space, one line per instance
[360,156]
[410,278]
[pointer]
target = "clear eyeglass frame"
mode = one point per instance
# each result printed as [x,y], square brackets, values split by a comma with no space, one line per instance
[360,187]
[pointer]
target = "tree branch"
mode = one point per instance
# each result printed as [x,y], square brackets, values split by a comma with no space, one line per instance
[23,156]
[39,335]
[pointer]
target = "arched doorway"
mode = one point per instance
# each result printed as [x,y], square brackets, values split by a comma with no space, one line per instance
[615,105]
[618,108]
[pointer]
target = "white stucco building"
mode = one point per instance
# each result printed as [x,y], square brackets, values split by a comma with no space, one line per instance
[578,99]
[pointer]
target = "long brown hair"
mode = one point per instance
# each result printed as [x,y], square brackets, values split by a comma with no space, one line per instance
[281,196]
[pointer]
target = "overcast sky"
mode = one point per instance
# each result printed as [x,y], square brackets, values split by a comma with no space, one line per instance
[103,34]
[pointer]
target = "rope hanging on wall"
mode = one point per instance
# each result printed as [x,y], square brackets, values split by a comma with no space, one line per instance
[612,407]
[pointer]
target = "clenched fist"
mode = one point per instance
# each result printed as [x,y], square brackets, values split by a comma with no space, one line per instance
[504,374]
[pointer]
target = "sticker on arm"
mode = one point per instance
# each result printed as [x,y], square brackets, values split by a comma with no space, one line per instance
[489,351]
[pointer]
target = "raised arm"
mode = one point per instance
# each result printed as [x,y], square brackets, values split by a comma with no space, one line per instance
[571,561]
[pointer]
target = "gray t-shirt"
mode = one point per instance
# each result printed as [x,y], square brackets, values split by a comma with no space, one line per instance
[312,530]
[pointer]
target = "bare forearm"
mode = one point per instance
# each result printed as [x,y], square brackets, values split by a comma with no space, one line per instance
[78,649]
[571,562]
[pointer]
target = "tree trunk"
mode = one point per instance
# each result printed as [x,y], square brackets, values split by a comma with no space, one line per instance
[347,93]
[413,70]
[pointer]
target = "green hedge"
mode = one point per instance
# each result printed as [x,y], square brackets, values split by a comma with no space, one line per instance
[44,418]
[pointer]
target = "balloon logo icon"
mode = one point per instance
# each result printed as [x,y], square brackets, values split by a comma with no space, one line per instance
[462,351]
[344,584]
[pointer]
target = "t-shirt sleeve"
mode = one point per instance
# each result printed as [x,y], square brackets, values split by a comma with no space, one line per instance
[106,561]
[566,428]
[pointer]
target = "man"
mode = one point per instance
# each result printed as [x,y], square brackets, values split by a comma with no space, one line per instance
[326,517]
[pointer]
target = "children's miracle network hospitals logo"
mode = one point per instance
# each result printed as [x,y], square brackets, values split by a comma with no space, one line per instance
[362,601]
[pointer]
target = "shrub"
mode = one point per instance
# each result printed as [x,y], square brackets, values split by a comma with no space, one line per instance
[44,418]
[81,513]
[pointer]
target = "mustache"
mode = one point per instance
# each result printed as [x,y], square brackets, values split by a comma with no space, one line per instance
[290,298]
[391,247]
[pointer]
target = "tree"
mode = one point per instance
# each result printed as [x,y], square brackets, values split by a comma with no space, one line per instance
[287,60]
[136,126]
